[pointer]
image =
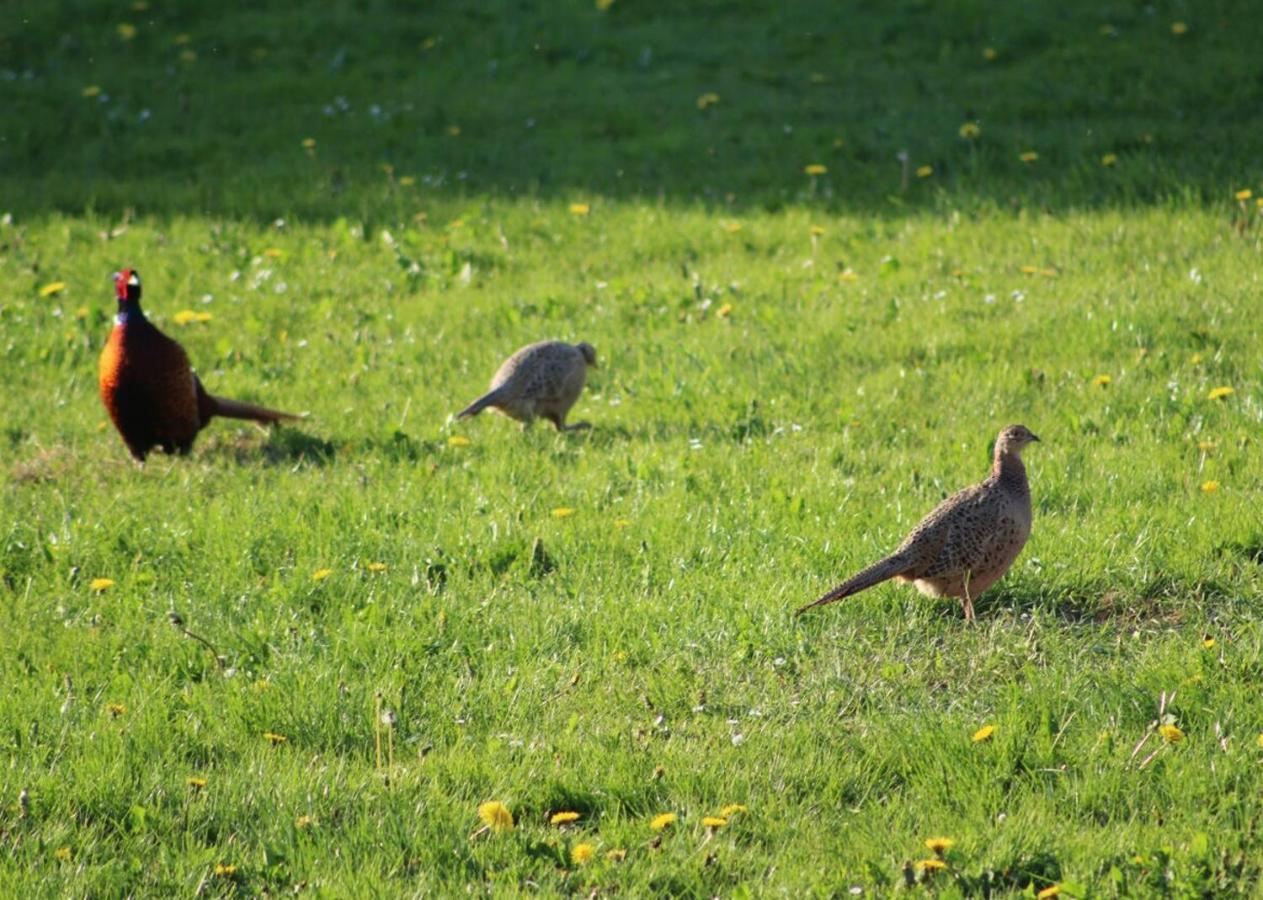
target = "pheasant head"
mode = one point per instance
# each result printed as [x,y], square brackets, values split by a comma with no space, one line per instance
[127,290]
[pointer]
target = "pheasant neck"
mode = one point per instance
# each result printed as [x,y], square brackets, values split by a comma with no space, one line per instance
[1008,470]
[128,311]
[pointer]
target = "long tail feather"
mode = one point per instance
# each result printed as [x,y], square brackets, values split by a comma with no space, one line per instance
[236,409]
[479,405]
[875,574]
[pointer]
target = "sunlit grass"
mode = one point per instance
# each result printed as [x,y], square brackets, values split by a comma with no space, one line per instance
[380,652]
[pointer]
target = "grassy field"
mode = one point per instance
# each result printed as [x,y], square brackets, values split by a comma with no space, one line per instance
[375,206]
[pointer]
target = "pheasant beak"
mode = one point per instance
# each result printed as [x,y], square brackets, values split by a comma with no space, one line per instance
[1035,438]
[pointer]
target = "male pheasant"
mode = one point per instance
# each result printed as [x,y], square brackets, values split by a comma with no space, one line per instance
[542,379]
[148,387]
[968,541]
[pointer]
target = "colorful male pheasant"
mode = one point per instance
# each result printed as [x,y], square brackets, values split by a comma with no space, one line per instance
[148,387]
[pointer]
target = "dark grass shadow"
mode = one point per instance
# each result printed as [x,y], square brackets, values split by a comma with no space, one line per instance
[1162,601]
[281,445]
[379,108]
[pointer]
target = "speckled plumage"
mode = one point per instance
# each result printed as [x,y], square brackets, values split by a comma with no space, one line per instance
[540,380]
[148,386]
[968,541]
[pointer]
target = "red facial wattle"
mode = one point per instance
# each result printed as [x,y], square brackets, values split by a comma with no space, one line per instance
[120,283]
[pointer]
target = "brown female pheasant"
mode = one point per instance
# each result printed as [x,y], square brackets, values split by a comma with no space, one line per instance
[539,380]
[968,541]
[148,387]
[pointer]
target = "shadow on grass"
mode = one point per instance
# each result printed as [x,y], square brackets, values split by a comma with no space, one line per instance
[1160,601]
[280,445]
[372,108]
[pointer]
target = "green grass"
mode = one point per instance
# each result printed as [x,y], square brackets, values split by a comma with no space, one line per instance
[763,427]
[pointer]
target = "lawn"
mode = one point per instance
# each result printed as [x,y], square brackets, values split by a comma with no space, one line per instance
[409,617]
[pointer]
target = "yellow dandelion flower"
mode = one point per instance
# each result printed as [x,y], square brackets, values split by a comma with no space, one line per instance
[126,30]
[621,523]
[1220,392]
[1259,740]
[275,739]
[1028,156]
[309,143]
[817,230]
[92,90]
[225,870]
[62,853]
[321,574]
[1244,194]
[496,816]
[816,169]
[714,821]
[196,782]
[1208,642]
[101,584]
[1051,891]
[407,181]
[582,853]
[848,274]
[304,821]
[940,845]
[53,287]
[1179,28]
[458,440]
[983,734]
[115,709]
[453,131]
[989,53]
[664,820]
[732,809]
[1205,446]
[970,131]
[580,209]
[1209,487]
[1170,733]
[604,5]
[707,100]
[724,311]
[731,227]
[377,567]
[185,316]
[617,855]
[563,818]
[562,512]
[1197,358]
[925,171]
[1109,159]
[1102,380]
[932,865]
[274,252]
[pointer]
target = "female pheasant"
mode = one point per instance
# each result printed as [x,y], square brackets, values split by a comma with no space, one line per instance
[148,387]
[968,541]
[543,379]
